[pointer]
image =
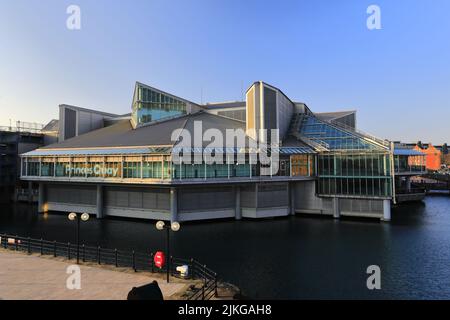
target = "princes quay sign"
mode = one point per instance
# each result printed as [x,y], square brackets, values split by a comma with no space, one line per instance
[97,170]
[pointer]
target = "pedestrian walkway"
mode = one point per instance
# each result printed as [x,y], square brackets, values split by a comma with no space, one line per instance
[32,277]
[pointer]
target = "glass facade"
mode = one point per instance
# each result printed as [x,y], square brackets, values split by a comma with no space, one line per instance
[302,165]
[150,167]
[150,105]
[405,164]
[62,168]
[361,175]
[131,169]
[33,167]
[47,168]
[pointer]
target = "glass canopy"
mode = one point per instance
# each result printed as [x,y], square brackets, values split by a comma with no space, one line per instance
[333,137]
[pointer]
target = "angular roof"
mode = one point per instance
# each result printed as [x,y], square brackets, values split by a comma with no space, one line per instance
[122,133]
[107,114]
[224,105]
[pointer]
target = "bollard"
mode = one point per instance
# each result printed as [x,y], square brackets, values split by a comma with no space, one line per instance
[84,253]
[68,250]
[42,246]
[115,252]
[98,255]
[16,242]
[54,248]
[134,261]
[29,245]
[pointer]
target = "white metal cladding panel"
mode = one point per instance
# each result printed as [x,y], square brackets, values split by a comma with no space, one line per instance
[248,196]
[205,198]
[119,198]
[86,195]
[273,195]
[361,205]
[149,200]
[137,198]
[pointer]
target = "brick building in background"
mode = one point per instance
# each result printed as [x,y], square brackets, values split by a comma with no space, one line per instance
[433,157]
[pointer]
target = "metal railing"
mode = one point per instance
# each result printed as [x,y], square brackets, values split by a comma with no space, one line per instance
[137,261]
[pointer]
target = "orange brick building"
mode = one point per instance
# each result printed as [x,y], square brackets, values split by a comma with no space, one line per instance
[433,157]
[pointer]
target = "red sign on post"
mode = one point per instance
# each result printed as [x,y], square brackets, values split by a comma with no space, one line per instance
[159,259]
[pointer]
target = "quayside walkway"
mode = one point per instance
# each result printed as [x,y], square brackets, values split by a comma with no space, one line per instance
[32,277]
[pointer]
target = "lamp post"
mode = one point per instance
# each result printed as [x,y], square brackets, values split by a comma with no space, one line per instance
[174,226]
[83,217]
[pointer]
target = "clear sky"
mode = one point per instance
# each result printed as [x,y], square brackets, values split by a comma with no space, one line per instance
[317,52]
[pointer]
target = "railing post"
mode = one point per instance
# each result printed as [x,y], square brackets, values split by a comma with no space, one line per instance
[54,248]
[115,254]
[171,266]
[68,250]
[203,292]
[204,280]
[98,255]
[192,269]
[153,262]
[84,253]
[215,285]
[29,245]
[42,246]
[134,261]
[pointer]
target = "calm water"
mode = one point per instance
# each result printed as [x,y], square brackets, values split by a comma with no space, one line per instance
[299,257]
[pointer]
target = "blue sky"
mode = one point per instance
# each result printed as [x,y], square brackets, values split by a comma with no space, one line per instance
[317,52]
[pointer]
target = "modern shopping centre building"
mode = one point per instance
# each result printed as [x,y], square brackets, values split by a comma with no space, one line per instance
[131,165]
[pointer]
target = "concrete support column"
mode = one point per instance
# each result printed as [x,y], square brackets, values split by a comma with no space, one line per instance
[99,201]
[30,192]
[408,183]
[173,205]
[336,208]
[41,198]
[291,187]
[237,212]
[386,210]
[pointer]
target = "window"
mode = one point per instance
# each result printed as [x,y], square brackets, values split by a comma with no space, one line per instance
[131,170]
[301,165]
